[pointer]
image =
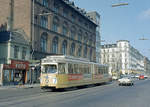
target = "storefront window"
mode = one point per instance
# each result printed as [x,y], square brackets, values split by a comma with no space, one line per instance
[6,76]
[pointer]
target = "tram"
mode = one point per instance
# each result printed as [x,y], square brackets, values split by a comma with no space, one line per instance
[60,71]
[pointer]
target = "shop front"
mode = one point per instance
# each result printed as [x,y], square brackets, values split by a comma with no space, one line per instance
[16,73]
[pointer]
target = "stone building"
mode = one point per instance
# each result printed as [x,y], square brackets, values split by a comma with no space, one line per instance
[96,18]
[147,65]
[122,58]
[14,58]
[53,26]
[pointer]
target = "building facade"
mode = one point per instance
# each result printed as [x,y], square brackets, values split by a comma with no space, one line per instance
[122,58]
[53,26]
[14,58]
[147,65]
[96,18]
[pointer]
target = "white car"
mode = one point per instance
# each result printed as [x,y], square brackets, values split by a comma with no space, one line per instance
[125,81]
[145,76]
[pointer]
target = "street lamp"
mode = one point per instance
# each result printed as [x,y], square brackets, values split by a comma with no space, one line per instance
[143,38]
[119,4]
[44,14]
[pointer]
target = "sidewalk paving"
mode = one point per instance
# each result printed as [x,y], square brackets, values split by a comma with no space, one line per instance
[19,86]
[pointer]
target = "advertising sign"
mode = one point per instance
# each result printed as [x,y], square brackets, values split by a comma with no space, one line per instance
[75,77]
[17,65]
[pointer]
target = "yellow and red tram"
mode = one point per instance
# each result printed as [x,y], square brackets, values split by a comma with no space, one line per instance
[60,71]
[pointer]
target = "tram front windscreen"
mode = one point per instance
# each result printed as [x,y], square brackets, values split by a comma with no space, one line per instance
[49,69]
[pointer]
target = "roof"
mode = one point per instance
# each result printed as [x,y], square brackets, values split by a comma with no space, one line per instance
[4,36]
[79,10]
[16,37]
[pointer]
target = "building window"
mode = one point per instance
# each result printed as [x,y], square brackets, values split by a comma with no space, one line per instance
[24,51]
[38,1]
[44,21]
[45,3]
[55,24]
[55,45]
[72,33]
[79,51]
[90,41]
[65,13]
[80,36]
[91,54]
[56,9]
[16,51]
[64,29]
[72,18]
[64,47]
[72,50]
[55,27]
[85,51]
[86,38]
[44,42]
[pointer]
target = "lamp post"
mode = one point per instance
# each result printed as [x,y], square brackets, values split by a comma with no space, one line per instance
[119,4]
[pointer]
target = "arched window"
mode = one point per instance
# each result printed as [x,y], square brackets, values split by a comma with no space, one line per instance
[64,47]
[79,51]
[55,24]
[72,50]
[55,45]
[44,42]
[85,51]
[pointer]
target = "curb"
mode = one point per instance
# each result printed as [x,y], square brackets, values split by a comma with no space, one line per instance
[19,86]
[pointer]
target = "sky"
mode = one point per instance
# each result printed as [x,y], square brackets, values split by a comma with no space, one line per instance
[130,22]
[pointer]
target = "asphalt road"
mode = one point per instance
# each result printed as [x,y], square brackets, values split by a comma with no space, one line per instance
[109,95]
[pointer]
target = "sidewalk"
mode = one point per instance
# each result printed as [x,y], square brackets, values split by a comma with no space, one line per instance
[19,86]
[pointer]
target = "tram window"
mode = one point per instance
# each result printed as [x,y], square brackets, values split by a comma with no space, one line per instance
[87,69]
[61,68]
[70,68]
[76,69]
[50,69]
[80,69]
[84,69]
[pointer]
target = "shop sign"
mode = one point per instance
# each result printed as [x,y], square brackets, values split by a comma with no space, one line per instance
[17,65]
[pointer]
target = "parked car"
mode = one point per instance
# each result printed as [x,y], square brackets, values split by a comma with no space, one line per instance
[145,76]
[125,81]
[141,77]
[114,77]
